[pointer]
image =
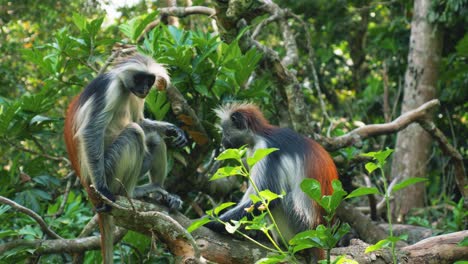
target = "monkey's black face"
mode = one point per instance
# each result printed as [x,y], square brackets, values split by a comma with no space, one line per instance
[235,132]
[142,83]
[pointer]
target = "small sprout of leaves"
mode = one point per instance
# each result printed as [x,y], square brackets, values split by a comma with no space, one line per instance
[249,209]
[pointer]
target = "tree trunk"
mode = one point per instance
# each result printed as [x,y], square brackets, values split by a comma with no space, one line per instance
[413,144]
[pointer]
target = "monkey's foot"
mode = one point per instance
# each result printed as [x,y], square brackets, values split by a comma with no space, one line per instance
[155,194]
[172,201]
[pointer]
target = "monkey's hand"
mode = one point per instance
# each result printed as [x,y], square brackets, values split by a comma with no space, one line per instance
[176,135]
[103,207]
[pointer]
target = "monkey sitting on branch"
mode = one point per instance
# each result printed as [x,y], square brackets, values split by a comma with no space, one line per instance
[298,158]
[110,143]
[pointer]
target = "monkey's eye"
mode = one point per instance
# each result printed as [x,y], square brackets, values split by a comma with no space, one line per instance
[238,120]
[143,78]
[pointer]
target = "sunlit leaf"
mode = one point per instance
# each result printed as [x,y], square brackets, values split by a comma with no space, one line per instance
[370,167]
[362,191]
[258,155]
[312,188]
[407,182]
[379,245]
[221,207]
[227,171]
[236,154]
[198,223]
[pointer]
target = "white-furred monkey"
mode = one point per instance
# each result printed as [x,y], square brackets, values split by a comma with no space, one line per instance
[298,158]
[111,144]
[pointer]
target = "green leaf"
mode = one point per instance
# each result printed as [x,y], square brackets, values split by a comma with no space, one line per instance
[221,207]
[227,171]
[236,154]
[269,195]
[379,245]
[198,223]
[407,182]
[8,233]
[258,155]
[312,188]
[4,208]
[158,104]
[143,23]
[79,21]
[344,260]
[362,191]
[254,198]
[464,242]
[381,156]
[370,167]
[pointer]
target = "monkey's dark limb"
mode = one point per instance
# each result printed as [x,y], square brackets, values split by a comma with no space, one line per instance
[167,130]
[154,193]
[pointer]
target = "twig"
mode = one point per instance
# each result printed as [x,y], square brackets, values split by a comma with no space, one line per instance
[381,204]
[386,107]
[178,12]
[113,56]
[65,196]
[356,136]
[89,227]
[263,23]
[50,157]
[449,150]
[310,62]
[32,214]
[60,245]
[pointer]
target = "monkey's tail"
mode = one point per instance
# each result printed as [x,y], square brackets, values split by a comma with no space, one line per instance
[107,226]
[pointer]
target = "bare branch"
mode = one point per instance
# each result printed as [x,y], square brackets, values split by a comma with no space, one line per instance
[263,23]
[32,214]
[356,136]
[180,11]
[440,249]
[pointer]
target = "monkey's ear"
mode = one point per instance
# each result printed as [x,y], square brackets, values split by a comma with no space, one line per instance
[161,83]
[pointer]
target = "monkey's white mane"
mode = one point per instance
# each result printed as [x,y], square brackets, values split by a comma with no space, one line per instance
[143,63]
[224,111]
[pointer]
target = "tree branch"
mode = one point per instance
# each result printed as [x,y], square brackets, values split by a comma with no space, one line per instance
[455,156]
[32,214]
[356,136]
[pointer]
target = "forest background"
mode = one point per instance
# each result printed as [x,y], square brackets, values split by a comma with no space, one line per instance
[328,69]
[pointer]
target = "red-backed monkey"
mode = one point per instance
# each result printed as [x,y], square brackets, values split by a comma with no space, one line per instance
[298,158]
[111,144]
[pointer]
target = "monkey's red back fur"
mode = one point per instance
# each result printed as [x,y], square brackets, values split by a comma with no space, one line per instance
[69,134]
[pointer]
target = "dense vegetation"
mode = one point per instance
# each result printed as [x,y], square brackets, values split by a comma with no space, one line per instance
[350,62]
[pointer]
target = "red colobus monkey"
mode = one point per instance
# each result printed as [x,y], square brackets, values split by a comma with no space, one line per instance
[111,144]
[298,158]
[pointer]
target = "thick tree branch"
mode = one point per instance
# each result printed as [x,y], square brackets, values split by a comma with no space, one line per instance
[439,249]
[366,229]
[77,245]
[224,248]
[180,11]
